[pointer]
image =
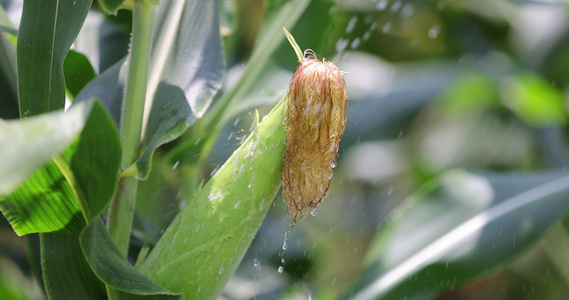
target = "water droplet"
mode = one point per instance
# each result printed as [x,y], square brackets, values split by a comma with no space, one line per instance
[333,165]
[176,165]
[355,43]
[407,10]
[280,270]
[283,260]
[197,228]
[285,245]
[220,271]
[236,205]
[351,24]
[214,170]
[434,31]
[249,186]
[256,264]
[396,6]
[313,212]
[329,175]
[341,45]
[236,121]
[381,5]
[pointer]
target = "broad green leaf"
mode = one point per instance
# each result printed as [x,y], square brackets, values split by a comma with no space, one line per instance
[66,273]
[170,116]
[186,72]
[272,63]
[112,268]
[78,72]
[459,227]
[203,246]
[47,30]
[82,179]
[35,141]
[535,100]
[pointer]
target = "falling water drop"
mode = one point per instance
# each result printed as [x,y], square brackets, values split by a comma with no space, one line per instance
[351,24]
[381,5]
[280,270]
[434,31]
[313,212]
[285,245]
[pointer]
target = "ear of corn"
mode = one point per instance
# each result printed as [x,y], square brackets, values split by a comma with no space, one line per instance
[315,121]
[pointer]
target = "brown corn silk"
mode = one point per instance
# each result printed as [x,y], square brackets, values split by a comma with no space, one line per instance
[315,121]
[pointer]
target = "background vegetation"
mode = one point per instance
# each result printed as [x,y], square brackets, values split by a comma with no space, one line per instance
[451,181]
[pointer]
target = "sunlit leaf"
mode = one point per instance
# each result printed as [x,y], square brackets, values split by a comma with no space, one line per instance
[535,100]
[47,30]
[35,140]
[80,180]
[459,227]
[473,92]
[203,246]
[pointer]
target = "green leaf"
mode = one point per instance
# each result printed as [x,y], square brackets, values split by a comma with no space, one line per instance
[108,87]
[187,70]
[35,141]
[203,246]
[112,268]
[473,92]
[459,227]
[78,72]
[168,120]
[81,179]
[535,100]
[66,273]
[8,79]
[47,30]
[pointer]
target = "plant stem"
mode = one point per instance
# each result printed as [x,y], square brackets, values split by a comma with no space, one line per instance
[121,210]
[135,91]
[121,213]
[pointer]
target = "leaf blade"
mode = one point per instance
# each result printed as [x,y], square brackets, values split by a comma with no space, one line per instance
[454,246]
[187,72]
[47,30]
[112,268]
